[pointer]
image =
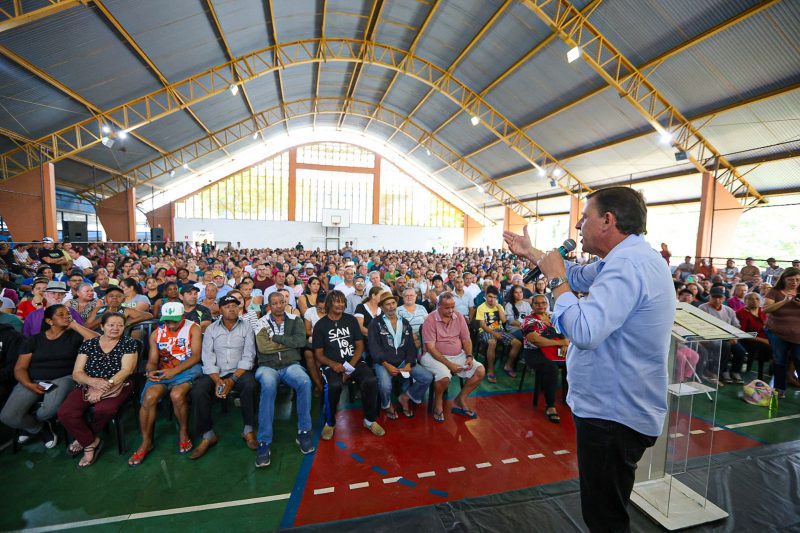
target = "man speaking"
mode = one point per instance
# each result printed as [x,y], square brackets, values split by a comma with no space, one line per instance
[619,338]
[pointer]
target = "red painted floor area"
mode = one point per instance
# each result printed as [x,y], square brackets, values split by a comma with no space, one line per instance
[498,452]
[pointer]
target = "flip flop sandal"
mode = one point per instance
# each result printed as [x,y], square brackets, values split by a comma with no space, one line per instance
[491,378]
[464,412]
[185,446]
[391,414]
[409,413]
[553,417]
[510,372]
[96,452]
[138,458]
[438,416]
[75,448]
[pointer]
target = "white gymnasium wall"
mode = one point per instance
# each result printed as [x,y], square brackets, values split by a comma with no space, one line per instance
[260,234]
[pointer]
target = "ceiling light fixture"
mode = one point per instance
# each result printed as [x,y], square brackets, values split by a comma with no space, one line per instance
[541,172]
[428,151]
[475,120]
[665,138]
[106,129]
[480,189]
[185,166]
[558,172]
[122,134]
[573,54]
[172,173]
[108,143]
[234,89]
[255,135]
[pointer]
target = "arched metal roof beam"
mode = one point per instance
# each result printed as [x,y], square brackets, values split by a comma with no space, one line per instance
[128,38]
[477,37]
[636,88]
[652,63]
[146,109]
[18,16]
[92,108]
[510,70]
[277,115]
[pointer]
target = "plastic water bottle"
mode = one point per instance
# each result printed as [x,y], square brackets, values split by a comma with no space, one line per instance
[773,403]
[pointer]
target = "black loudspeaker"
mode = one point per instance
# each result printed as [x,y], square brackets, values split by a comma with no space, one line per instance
[156,234]
[75,231]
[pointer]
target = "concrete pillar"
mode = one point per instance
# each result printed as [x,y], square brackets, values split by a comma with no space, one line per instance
[28,204]
[576,206]
[118,215]
[513,222]
[164,217]
[473,233]
[376,191]
[292,204]
[719,216]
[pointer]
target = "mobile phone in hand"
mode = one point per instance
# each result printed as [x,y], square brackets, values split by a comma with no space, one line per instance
[220,389]
[47,386]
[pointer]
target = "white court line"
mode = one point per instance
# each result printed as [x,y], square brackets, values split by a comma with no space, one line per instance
[697,432]
[759,422]
[717,429]
[164,512]
[536,456]
[560,452]
[456,469]
[483,465]
[509,461]
[326,490]
[676,435]
[388,480]
[362,485]
[426,474]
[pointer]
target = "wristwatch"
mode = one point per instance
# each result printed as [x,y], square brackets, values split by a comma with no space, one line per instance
[556,282]
[111,381]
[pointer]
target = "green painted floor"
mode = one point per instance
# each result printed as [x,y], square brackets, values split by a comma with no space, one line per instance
[45,487]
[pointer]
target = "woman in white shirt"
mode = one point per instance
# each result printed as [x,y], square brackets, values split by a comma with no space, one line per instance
[79,260]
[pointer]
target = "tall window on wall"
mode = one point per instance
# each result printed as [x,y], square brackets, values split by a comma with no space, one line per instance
[405,202]
[260,192]
[329,177]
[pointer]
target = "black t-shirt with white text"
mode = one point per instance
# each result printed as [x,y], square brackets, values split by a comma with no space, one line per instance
[52,254]
[337,338]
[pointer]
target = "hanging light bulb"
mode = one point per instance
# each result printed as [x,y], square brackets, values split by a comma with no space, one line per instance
[106,129]
[573,54]
[122,134]
[185,166]
[558,172]
[234,89]
[475,120]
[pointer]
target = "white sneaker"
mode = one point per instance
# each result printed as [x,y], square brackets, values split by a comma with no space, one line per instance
[737,378]
[23,438]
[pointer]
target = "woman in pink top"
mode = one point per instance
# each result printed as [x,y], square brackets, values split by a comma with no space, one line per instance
[782,306]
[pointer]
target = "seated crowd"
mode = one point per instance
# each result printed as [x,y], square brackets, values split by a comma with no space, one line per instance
[245,321]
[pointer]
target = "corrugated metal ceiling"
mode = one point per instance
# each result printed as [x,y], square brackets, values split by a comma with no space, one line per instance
[82,50]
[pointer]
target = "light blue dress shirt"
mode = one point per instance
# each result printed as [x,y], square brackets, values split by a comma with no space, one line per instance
[619,336]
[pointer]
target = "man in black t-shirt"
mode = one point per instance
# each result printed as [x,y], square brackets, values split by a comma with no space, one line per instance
[197,313]
[338,346]
[49,255]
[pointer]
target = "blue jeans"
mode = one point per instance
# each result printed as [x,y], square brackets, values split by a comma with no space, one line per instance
[420,380]
[781,352]
[270,378]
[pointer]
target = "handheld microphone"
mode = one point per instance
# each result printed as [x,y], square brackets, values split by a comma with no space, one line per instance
[535,272]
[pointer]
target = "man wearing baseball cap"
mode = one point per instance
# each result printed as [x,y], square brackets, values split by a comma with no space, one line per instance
[53,294]
[49,255]
[229,354]
[172,365]
[392,348]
